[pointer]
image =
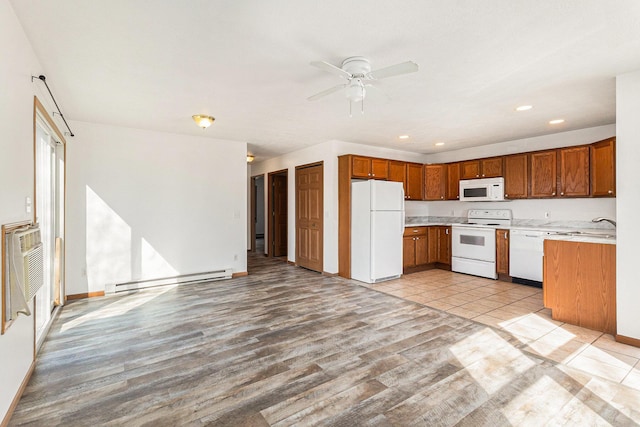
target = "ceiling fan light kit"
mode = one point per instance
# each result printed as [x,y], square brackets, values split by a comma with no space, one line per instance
[357,71]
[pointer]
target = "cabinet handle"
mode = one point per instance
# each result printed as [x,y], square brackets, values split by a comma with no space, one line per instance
[505,236]
[562,193]
[506,195]
[610,191]
[477,176]
[415,231]
[446,231]
[483,175]
[457,197]
[442,197]
[373,174]
[553,194]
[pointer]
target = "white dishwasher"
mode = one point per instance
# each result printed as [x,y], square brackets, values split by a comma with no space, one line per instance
[526,248]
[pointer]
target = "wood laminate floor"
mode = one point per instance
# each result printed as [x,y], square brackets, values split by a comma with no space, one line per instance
[286,346]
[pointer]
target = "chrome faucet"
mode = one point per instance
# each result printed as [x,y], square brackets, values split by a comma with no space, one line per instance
[601,218]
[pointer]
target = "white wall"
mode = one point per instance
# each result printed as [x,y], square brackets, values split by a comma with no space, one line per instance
[143,204]
[558,209]
[327,152]
[17,66]
[628,160]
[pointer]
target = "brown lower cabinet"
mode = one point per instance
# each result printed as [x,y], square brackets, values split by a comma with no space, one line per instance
[439,244]
[426,246]
[414,247]
[502,251]
[579,283]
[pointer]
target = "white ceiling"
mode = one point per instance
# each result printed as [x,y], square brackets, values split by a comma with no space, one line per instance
[153,64]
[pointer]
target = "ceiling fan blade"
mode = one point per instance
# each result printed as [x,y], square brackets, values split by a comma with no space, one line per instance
[332,69]
[394,70]
[326,92]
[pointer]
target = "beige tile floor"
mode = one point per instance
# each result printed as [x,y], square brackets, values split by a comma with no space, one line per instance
[518,309]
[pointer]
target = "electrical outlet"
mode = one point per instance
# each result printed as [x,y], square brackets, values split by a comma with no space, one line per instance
[546,214]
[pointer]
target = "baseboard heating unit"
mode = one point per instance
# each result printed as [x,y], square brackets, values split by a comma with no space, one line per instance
[176,280]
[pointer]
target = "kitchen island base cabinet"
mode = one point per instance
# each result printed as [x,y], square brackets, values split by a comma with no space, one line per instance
[579,284]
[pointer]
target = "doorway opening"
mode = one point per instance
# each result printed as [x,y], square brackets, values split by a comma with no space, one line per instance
[277,234]
[257,214]
[310,216]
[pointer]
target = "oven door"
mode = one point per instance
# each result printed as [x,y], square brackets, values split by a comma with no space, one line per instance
[477,243]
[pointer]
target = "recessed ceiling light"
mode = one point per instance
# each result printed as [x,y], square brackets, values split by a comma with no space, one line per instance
[439,144]
[556,121]
[524,107]
[403,137]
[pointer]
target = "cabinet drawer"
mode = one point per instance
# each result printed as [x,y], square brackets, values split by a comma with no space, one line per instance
[415,231]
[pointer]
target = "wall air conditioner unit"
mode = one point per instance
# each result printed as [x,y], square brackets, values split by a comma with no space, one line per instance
[27,261]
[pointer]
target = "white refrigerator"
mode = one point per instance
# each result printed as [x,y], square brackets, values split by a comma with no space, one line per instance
[377,226]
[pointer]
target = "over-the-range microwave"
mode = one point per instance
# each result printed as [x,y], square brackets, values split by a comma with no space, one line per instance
[482,190]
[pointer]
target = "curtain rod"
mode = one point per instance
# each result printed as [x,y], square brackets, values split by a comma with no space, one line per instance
[44,80]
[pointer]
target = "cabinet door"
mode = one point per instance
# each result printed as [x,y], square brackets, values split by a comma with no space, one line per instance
[444,245]
[398,173]
[603,170]
[516,176]
[491,168]
[379,168]
[360,167]
[422,250]
[435,181]
[543,173]
[408,252]
[470,169]
[433,234]
[453,181]
[502,251]
[413,189]
[574,171]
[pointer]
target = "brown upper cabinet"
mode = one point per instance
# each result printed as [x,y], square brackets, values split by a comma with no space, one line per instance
[414,185]
[410,175]
[603,174]
[574,171]
[435,180]
[481,168]
[516,176]
[368,167]
[398,173]
[453,181]
[543,173]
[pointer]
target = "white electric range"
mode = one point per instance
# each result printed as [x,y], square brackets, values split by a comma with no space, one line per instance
[473,245]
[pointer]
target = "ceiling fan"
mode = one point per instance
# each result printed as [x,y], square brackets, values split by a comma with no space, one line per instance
[357,71]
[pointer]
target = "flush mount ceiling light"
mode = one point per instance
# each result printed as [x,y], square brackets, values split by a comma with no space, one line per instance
[250,158]
[439,144]
[403,137]
[524,107]
[556,121]
[203,121]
